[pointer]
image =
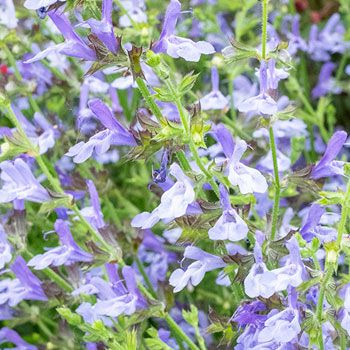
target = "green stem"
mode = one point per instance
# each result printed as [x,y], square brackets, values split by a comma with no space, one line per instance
[145,277]
[149,100]
[319,308]
[174,327]
[276,204]
[344,215]
[264,28]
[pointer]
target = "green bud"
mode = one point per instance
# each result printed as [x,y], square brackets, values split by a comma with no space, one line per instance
[152,59]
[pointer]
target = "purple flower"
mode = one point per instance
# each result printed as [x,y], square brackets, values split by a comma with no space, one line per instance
[313,225]
[296,42]
[5,249]
[215,99]
[113,299]
[243,89]
[176,46]
[104,29]
[46,139]
[281,327]
[26,286]
[330,40]
[8,14]
[73,45]
[327,166]
[155,257]
[173,203]
[114,134]
[20,183]
[135,12]
[8,335]
[263,103]
[67,253]
[93,213]
[273,75]
[230,225]
[248,179]
[195,271]
[263,282]
[345,322]
[326,84]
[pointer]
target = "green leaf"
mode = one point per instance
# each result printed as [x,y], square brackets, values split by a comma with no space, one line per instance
[65,202]
[187,83]
[71,317]
[298,146]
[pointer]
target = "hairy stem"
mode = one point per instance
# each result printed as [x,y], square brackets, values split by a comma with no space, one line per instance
[276,202]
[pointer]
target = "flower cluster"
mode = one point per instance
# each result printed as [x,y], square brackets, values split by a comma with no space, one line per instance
[169,179]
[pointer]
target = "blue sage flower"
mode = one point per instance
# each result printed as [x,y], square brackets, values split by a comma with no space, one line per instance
[195,271]
[176,46]
[230,225]
[67,253]
[20,183]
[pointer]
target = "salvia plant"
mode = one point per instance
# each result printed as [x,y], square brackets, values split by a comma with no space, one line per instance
[174,175]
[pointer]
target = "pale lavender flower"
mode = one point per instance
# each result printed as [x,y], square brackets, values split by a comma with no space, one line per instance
[296,42]
[73,45]
[93,213]
[263,282]
[155,257]
[326,83]
[248,179]
[136,12]
[114,134]
[281,327]
[176,46]
[195,271]
[8,14]
[215,99]
[5,249]
[8,335]
[327,166]
[230,225]
[43,140]
[274,75]
[113,299]
[329,40]
[18,182]
[263,103]
[67,253]
[243,89]
[345,322]
[173,203]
